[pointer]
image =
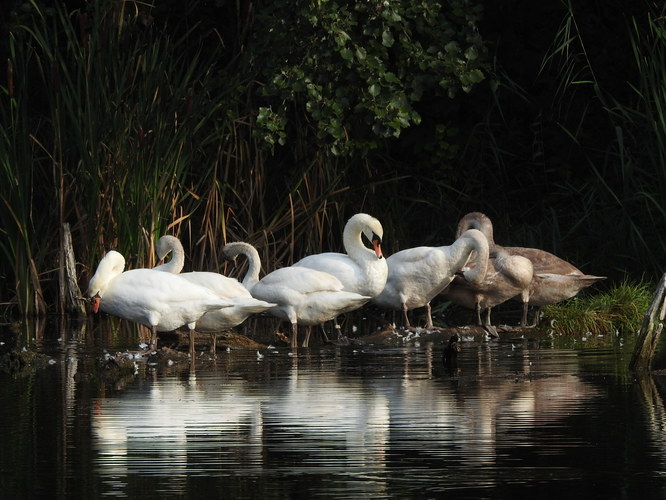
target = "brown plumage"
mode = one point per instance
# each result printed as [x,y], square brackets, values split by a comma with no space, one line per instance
[507,276]
[554,279]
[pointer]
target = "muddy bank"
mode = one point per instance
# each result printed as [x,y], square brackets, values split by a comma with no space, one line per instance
[173,347]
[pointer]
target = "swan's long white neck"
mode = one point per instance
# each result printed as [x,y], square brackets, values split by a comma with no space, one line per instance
[253,260]
[471,244]
[108,268]
[171,244]
[353,241]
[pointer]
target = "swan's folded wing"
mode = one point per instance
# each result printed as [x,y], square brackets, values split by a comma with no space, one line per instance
[337,264]
[545,262]
[223,286]
[302,280]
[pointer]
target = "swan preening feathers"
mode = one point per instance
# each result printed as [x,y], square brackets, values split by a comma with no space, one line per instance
[472,271]
[507,276]
[417,275]
[243,305]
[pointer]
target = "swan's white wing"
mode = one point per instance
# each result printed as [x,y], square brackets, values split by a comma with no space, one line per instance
[223,286]
[228,317]
[365,276]
[154,297]
[302,280]
[319,307]
[415,255]
[327,262]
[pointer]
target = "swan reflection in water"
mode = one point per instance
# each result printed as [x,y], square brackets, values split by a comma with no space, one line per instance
[322,415]
[160,431]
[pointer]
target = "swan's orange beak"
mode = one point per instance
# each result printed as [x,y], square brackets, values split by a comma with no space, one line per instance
[95,303]
[377,245]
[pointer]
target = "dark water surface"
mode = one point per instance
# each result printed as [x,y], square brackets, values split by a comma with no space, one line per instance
[516,418]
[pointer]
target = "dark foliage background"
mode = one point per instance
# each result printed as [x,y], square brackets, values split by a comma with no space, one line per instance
[277,125]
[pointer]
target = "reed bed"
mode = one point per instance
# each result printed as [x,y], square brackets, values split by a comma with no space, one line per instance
[127,132]
[621,200]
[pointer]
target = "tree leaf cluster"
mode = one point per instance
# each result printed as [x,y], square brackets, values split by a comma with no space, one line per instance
[350,73]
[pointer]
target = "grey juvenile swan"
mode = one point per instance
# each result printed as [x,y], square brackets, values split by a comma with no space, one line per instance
[554,280]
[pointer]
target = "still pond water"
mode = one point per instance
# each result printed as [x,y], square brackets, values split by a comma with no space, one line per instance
[516,418]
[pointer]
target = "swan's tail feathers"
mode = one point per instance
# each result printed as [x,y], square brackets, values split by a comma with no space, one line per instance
[252,305]
[346,302]
[214,305]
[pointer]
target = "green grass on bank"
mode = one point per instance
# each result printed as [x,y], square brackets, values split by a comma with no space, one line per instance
[620,309]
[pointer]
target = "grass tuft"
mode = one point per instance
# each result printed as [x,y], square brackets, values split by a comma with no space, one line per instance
[621,309]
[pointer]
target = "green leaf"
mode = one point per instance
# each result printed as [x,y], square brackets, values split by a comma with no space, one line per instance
[472,53]
[387,38]
[347,54]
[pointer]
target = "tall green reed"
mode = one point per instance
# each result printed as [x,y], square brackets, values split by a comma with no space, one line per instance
[640,127]
[126,122]
[626,193]
[132,108]
[23,233]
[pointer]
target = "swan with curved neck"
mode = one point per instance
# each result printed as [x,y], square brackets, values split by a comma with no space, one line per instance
[232,250]
[416,275]
[554,280]
[303,296]
[170,244]
[507,276]
[243,304]
[361,270]
[161,301]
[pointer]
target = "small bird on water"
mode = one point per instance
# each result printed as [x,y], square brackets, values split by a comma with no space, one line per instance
[450,355]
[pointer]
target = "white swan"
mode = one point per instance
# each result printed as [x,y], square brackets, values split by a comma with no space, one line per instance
[360,270]
[507,276]
[158,300]
[242,303]
[555,279]
[417,275]
[303,296]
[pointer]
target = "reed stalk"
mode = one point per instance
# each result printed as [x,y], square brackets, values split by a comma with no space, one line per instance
[24,232]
